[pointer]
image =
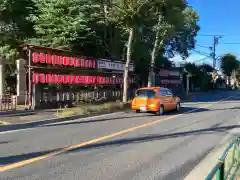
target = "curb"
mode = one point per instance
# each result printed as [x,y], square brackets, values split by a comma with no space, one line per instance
[16,113]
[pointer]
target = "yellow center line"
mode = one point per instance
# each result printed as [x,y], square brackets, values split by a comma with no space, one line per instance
[32,160]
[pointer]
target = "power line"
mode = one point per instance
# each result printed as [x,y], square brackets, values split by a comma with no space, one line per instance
[211,35]
[233,43]
[228,35]
[202,53]
[203,46]
[200,59]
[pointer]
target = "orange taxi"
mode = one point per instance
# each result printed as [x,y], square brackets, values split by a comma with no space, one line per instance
[155,99]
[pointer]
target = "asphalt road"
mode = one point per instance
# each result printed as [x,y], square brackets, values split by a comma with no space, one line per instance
[121,146]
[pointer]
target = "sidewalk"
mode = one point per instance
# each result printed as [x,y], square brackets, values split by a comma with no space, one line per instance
[22,116]
[201,171]
[39,117]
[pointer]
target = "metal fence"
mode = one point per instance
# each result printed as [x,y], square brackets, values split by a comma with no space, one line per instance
[228,164]
[8,103]
[51,99]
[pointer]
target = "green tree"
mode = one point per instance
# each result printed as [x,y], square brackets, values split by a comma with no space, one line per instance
[163,27]
[81,26]
[175,30]
[15,25]
[129,15]
[58,23]
[206,68]
[183,39]
[201,76]
[15,28]
[229,63]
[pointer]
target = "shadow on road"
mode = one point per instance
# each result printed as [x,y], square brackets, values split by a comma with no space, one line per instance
[157,137]
[16,158]
[50,123]
[184,110]
[124,141]
[203,98]
[97,120]
[4,142]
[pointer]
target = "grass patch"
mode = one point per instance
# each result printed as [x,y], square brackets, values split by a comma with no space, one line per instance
[88,109]
[21,107]
[2,123]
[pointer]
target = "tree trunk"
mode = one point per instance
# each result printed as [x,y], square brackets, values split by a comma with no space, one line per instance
[229,81]
[153,54]
[105,31]
[128,60]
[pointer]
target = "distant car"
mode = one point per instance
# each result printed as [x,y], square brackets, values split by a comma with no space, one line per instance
[155,99]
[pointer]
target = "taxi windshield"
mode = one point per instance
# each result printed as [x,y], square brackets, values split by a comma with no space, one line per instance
[145,93]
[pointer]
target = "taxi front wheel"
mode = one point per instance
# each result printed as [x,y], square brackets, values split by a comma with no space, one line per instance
[178,107]
[160,111]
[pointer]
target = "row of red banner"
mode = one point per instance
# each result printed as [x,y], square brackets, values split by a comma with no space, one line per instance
[51,59]
[75,79]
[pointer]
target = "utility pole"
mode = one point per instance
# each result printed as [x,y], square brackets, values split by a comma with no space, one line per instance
[215,43]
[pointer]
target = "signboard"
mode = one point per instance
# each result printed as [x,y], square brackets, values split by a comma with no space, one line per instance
[170,78]
[118,66]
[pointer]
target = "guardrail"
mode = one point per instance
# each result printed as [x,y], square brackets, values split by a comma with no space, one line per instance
[227,168]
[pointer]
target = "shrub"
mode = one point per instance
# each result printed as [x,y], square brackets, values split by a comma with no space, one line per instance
[110,106]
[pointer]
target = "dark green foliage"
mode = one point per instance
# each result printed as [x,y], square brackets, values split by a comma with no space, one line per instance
[98,29]
[229,63]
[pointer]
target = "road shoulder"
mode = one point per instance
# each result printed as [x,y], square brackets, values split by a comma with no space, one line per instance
[202,170]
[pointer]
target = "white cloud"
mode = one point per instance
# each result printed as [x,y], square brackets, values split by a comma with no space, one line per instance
[195,58]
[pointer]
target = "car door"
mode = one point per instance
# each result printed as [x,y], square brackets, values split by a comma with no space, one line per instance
[164,99]
[171,100]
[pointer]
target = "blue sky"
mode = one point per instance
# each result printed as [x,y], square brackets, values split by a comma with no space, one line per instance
[217,17]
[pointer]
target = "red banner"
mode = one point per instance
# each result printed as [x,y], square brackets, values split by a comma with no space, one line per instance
[82,62]
[76,79]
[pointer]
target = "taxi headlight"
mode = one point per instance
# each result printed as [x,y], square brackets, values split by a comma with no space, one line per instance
[152,105]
